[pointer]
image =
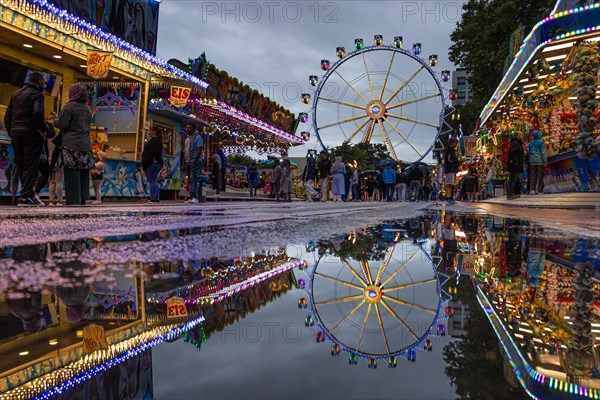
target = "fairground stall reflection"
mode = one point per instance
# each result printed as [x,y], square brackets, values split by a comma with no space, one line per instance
[66,326]
[538,288]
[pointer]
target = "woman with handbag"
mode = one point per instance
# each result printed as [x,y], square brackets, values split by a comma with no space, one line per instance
[74,122]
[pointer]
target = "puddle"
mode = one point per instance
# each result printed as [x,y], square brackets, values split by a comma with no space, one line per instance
[441,306]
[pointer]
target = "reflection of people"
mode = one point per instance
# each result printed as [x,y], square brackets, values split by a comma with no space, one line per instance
[515,166]
[535,257]
[29,310]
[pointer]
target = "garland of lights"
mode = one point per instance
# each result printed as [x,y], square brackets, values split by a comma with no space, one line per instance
[49,14]
[553,383]
[46,387]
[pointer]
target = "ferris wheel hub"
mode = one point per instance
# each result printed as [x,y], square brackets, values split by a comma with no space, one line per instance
[376,109]
[372,294]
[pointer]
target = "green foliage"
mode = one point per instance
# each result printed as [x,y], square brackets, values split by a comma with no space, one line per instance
[481,40]
[240,159]
[475,364]
[368,155]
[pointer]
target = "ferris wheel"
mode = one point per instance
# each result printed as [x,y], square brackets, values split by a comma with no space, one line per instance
[377,310]
[380,94]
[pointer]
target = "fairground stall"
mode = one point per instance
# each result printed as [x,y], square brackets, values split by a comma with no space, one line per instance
[39,36]
[551,85]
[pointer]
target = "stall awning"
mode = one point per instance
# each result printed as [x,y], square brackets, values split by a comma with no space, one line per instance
[59,29]
[550,39]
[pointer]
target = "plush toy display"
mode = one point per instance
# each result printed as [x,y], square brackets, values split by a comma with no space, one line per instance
[586,64]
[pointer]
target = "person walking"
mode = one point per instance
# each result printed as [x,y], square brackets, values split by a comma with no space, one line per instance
[74,122]
[97,175]
[25,124]
[389,180]
[451,166]
[354,184]
[427,186]
[55,184]
[401,179]
[415,177]
[152,163]
[338,170]
[309,176]
[515,166]
[276,179]
[216,174]
[196,146]
[253,178]
[324,166]
[286,180]
[223,157]
[537,163]
[472,184]
[187,160]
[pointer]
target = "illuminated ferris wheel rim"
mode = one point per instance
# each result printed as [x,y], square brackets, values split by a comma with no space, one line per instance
[367,49]
[443,297]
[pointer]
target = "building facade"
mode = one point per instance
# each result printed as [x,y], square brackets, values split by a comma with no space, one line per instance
[460,83]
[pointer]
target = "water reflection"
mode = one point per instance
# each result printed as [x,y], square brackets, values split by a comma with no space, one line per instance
[376,294]
[498,305]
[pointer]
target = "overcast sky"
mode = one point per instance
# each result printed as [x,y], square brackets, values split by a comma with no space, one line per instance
[275,45]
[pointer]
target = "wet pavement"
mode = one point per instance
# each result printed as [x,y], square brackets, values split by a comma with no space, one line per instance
[368,300]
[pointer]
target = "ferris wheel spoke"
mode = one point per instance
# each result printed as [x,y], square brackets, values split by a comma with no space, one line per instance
[369,133]
[331,278]
[340,300]
[366,270]
[356,275]
[341,122]
[408,285]
[386,140]
[399,269]
[387,75]
[391,311]
[383,265]
[343,103]
[348,316]
[402,136]
[404,84]
[416,121]
[368,77]
[351,87]
[362,331]
[407,304]
[405,103]
[360,127]
[382,328]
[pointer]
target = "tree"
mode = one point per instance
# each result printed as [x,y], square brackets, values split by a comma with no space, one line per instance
[240,159]
[367,155]
[481,40]
[474,363]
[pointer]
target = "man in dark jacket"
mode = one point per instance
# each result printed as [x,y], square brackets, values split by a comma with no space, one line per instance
[515,166]
[223,168]
[25,124]
[324,167]
[415,177]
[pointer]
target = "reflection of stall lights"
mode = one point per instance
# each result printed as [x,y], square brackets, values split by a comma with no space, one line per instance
[57,56]
[53,342]
[460,234]
[23,353]
[83,66]
[560,57]
[28,46]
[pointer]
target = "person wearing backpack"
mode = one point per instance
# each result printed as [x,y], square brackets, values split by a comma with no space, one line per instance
[252,177]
